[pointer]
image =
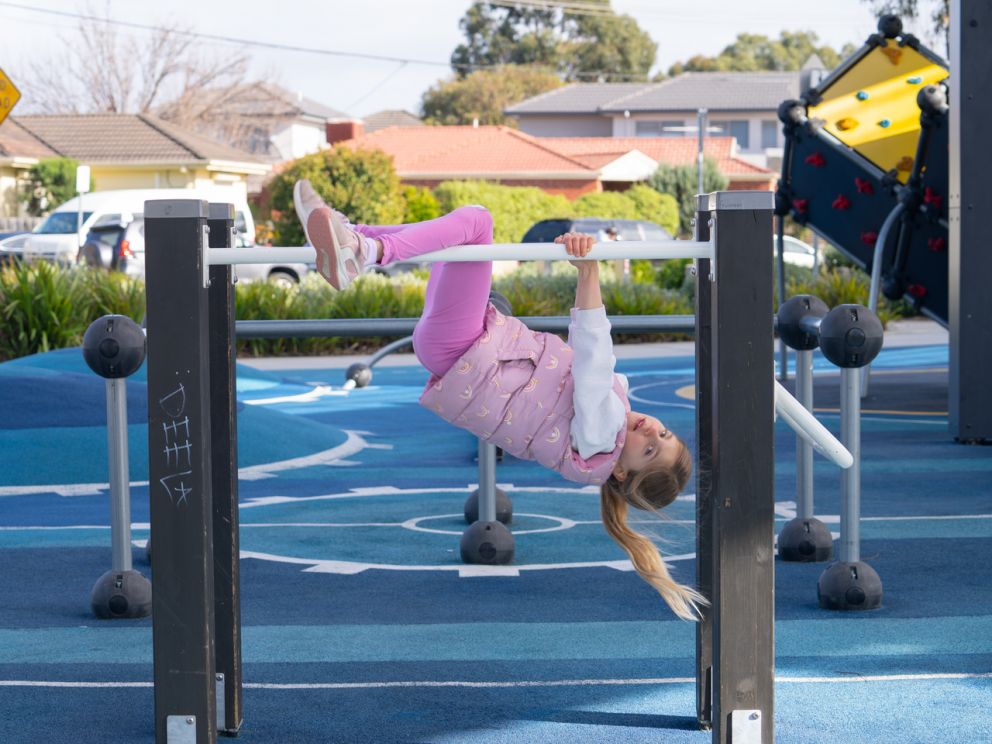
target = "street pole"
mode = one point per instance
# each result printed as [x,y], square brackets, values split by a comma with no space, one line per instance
[701,129]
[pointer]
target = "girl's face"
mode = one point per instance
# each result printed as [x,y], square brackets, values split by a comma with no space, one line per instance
[648,441]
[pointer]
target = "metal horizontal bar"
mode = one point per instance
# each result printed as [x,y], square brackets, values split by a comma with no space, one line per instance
[404,326]
[655,249]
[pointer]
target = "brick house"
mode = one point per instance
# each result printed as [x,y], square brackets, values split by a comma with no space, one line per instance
[426,156]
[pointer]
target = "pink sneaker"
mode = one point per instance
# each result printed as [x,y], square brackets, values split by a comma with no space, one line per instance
[340,250]
[306,199]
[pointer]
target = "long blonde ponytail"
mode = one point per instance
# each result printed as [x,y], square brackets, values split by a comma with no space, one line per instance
[650,490]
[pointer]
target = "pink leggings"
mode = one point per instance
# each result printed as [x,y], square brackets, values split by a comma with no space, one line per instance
[457,293]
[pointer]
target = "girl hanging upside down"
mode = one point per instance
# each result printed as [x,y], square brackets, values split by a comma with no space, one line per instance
[530,393]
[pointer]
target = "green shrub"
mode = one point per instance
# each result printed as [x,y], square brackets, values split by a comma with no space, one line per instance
[514,208]
[46,306]
[610,204]
[362,184]
[843,285]
[654,206]
[51,182]
[420,204]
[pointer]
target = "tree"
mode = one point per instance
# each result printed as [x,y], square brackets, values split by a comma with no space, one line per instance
[50,182]
[939,16]
[752,52]
[484,95]
[681,181]
[579,43]
[362,184]
[166,73]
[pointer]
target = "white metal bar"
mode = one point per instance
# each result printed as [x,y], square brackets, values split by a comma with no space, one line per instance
[656,249]
[806,425]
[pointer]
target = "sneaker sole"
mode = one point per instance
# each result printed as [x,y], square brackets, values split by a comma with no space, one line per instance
[320,232]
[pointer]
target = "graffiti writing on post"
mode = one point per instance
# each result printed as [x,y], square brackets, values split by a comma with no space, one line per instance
[178,449]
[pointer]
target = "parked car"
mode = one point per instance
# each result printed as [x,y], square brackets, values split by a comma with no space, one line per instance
[797,252]
[10,246]
[58,237]
[118,244]
[546,231]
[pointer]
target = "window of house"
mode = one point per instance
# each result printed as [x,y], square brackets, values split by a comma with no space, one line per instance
[769,134]
[658,129]
[736,128]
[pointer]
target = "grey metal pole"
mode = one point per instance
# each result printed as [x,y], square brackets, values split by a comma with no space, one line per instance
[876,277]
[850,492]
[783,349]
[701,129]
[120,499]
[804,450]
[487,481]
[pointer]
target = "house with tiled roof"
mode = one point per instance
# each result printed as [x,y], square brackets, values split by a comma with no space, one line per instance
[742,105]
[426,156]
[123,151]
[285,125]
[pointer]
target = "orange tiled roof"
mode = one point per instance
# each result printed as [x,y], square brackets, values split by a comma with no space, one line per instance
[493,150]
[479,151]
[670,150]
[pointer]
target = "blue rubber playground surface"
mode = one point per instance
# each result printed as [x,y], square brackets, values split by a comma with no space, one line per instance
[362,625]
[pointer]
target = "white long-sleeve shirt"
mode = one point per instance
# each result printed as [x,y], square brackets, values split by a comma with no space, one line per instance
[599,412]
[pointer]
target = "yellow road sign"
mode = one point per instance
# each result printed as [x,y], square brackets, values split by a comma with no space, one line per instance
[9,95]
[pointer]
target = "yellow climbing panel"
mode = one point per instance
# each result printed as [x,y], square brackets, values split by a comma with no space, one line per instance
[872,108]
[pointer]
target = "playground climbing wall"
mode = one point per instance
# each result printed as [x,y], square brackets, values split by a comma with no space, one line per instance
[869,137]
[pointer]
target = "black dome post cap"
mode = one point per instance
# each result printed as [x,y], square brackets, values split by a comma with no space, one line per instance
[790,316]
[851,336]
[114,346]
[890,26]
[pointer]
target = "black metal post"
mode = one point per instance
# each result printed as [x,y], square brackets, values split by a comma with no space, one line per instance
[704,468]
[224,456]
[741,488]
[970,204]
[180,471]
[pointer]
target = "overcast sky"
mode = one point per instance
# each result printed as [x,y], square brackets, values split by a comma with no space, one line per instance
[424,31]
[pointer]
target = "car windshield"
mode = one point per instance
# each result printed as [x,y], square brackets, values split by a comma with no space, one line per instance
[61,223]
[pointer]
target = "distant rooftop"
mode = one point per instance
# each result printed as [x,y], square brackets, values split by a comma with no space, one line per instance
[390,118]
[95,138]
[716,91]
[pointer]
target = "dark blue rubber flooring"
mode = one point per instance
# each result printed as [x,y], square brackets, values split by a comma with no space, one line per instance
[362,625]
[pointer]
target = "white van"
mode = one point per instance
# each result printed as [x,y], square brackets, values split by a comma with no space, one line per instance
[58,239]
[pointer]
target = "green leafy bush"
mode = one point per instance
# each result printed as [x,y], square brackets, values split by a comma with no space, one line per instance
[843,285]
[362,184]
[45,306]
[610,204]
[421,204]
[51,182]
[514,208]
[654,206]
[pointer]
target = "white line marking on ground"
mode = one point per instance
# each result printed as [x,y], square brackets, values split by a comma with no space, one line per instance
[854,678]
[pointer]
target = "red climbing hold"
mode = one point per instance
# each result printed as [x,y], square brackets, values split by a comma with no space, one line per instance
[816,160]
[869,238]
[841,202]
[932,198]
[916,290]
[937,245]
[864,186]
[801,205]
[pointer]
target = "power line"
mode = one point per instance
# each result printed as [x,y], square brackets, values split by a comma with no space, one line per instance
[288,47]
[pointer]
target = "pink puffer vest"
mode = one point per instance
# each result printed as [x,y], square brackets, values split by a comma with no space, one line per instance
[513,388]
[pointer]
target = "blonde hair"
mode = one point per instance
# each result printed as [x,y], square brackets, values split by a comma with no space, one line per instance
[650,489]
